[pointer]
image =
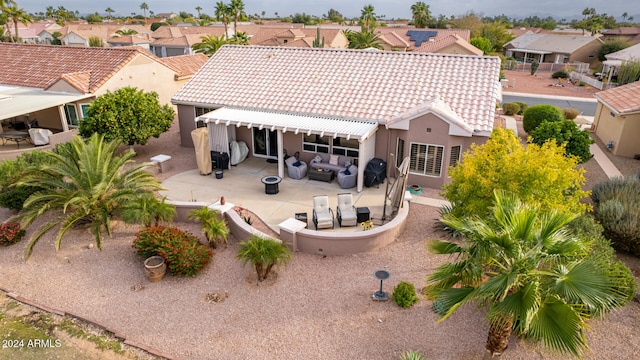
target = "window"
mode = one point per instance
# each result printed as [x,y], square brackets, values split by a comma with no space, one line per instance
[454,159]
[426,159]
[199,112]
[71,112]
[315,143]
[83,109]
[342,146]
[399,152]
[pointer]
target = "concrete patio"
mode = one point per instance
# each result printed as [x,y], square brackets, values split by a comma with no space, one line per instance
[241,185]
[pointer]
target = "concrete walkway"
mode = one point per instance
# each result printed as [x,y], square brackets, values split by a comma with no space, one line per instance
[601,158]
[510,123]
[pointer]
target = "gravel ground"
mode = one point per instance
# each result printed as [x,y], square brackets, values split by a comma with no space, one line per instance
[316,307]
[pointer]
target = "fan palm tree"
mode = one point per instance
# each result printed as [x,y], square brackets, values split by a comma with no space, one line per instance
[209,44]
[236,9]
[421,14]
[17,15]
[222,12]
[109,11]
[147,210]
[264,254]
[215,228]
[531,273]
[368,20]
[83,182]
[363,40]
[144,7]
[239,38]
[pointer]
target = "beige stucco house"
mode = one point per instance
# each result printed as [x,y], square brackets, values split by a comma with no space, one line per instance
[554,48]
[56,84]
[355,103]
[617,119]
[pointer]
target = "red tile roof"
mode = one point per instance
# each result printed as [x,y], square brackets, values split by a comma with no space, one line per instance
[441,43]
[401,32]
[185,65]
[623,99]
[39,66]
[372,85]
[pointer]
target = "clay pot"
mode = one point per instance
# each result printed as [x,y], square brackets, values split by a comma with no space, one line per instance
[155,268]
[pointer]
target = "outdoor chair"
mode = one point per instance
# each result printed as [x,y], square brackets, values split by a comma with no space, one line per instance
[297,169]
[322,213]
[346,211]
[347,178]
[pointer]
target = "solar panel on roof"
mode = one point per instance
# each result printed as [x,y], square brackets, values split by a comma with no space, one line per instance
[420,35]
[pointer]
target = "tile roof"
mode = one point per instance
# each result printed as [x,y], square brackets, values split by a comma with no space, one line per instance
[346,83]
[623,99]
[627,30]
[437,45]
[267,36]
[185,65]
[401,32]
[39,66]
[80,80]
[628,54]
[395,40]
[131,39]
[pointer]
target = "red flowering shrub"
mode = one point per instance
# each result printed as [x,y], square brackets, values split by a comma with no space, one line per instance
[10,233]
[183,253]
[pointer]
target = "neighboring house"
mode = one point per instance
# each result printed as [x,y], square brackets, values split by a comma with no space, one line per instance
[295,37]
[408,38]
[182,44]
[452,44]
[629,33]
[79,35]
[554,48]
[81,74]
[364,104]
[164,16]
[141,40]
[617,119]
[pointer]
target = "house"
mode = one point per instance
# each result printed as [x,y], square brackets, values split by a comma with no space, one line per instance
[174,41]
[616,59]
[79,35]
[141,40]
[554,48]
[617,119]
[359,103]
[442,41]
[56,84]
[452,44]
[629,33]
[296,37]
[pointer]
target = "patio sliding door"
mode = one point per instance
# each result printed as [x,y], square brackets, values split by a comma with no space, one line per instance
[265,143]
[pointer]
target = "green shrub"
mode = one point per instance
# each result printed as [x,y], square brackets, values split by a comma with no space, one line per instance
[577,141]
[183,253]
[523,106]
[536,114]
[570,113]
[404,294]
[13,197]
[10,233]
[581,83]
[535,64]
[511,108]
[617,208]
[560,74]
[599,249]
[412,355]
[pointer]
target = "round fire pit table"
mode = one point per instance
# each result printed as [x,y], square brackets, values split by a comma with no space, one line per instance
[271,184]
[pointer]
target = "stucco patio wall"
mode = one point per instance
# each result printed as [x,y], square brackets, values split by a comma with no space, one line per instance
[347,243]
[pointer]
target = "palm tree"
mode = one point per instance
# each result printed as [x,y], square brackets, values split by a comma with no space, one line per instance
[222,10]
[125,32]
[109,11]
[83,182]
[144,7]
[363,40]
[525,266]
[264,254]
[17,15]
[148,210]
[239,38]
[421,14]
[50,13]
[209,44]
[215,228]
[368,19]
[236,9]
[198,9]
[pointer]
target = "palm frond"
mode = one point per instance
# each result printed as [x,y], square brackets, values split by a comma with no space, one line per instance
[559,326]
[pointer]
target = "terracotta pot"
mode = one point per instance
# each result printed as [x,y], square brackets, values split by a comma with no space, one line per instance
[222,200]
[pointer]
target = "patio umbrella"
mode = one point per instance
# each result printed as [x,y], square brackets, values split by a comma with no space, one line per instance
[396,193]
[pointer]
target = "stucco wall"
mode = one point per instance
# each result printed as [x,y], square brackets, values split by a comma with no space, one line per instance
[587,53]
[629,144]
[608,128]
[187,123]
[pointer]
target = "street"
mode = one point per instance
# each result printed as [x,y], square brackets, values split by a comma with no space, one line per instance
[586,106]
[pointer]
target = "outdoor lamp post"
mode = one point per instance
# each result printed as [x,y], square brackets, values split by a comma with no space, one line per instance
[381,275]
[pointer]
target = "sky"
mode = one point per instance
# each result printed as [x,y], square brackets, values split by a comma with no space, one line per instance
[559,9]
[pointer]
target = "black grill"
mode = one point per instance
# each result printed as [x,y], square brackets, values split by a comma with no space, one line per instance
[375,172]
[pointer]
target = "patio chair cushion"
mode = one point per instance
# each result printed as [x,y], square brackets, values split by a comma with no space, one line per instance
[346,211]
[347,181]
[296,171]
[322,213]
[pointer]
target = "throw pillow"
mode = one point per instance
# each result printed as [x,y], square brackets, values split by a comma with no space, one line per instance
[297,163]
[317,159]
[347,163]
[347,172]
[333,160]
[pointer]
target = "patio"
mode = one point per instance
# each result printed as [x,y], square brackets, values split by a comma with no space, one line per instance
[242,186]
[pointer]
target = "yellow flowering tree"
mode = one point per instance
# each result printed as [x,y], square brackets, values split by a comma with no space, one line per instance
[539,174]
